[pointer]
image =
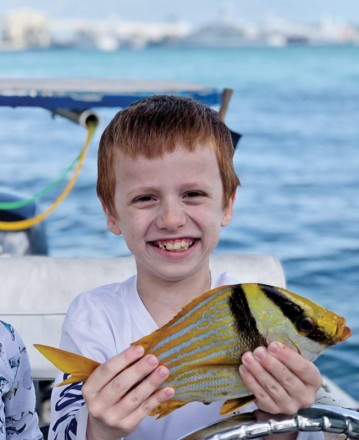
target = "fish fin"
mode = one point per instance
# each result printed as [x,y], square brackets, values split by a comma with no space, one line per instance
[69,380]
[233,405]
[166,408]
[78,367]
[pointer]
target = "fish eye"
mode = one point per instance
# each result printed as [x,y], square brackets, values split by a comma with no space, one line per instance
[306,325]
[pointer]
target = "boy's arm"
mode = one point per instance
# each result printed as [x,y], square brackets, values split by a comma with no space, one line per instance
[114,399]
[122,391]
[112,402]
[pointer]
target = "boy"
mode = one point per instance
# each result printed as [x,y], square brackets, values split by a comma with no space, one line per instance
[166,183]
[18,418]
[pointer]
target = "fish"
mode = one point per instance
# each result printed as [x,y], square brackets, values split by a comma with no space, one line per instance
[203,344]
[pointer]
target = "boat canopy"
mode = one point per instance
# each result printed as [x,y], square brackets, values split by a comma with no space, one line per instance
[85,93]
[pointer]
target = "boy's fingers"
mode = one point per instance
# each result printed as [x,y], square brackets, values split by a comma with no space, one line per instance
[288,366]
[132,393]
[263,399]
[303,369]
[126,413]
[274,383]
[268,373]
[146,396]
[111,368]
[128,424]
[155,400]
[127,379]
[274,376]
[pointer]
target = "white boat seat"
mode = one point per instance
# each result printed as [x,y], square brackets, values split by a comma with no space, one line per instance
[36,291]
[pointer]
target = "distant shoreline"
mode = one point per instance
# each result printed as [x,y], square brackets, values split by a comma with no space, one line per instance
[15,49]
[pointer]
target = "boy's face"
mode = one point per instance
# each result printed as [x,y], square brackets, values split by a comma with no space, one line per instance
[170,210]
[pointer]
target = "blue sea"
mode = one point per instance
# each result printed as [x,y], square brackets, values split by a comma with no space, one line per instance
[298,160]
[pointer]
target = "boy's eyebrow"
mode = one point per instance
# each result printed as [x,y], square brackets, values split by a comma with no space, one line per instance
[144,188]
[193,185]
[196,185]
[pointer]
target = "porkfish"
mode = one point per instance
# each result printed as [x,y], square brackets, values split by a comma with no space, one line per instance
[203,344]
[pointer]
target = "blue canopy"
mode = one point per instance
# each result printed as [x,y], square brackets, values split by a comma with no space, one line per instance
[85,93]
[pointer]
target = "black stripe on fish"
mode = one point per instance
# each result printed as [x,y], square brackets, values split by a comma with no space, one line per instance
[295,313]
[245,322]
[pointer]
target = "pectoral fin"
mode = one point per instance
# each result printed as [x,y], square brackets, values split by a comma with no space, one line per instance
[78,367]
[233,405]
[166,408]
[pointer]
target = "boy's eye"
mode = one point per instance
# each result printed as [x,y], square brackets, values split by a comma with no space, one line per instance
[144,198]
[193,194]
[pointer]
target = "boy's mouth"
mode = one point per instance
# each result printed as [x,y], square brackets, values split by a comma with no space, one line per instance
[177,245]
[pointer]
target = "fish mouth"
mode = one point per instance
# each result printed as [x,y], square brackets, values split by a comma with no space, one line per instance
[345,332]
[174,245]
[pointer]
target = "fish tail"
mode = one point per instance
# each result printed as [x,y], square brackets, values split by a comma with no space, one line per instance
[78,367]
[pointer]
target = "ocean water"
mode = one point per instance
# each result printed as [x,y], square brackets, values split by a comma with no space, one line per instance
[298,111]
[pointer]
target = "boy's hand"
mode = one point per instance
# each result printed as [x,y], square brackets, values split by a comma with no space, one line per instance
[281,380]
[122,391]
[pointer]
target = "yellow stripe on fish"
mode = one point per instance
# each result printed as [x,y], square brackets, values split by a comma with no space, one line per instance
[203,344]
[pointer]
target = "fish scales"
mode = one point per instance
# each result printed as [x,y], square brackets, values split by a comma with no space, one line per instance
[209,334]
[197,318]
[190,351]
[204,373]
[203,344]
[209,386]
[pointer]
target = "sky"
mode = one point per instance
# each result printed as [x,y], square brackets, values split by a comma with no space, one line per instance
[193,11]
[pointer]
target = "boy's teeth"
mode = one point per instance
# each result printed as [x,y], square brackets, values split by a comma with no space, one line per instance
[175,245]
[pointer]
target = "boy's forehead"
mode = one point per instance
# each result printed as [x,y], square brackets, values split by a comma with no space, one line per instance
[157,153]
[181,160]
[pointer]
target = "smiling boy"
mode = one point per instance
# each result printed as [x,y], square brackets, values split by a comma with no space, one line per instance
[171,220]
[167,183]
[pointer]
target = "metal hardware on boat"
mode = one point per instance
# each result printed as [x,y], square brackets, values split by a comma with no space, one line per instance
[324,418]
[81,117]
[226,97]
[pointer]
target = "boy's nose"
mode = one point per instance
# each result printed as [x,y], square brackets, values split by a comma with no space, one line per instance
[171,216]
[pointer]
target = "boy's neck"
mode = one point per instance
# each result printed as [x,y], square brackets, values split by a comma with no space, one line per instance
[164,299]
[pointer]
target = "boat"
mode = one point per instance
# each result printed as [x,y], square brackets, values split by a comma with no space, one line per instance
[51,283]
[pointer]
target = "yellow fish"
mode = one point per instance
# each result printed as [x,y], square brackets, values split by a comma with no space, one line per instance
[203,344]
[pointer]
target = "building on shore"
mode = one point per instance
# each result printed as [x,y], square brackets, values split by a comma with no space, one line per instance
[30,29]
[26,28]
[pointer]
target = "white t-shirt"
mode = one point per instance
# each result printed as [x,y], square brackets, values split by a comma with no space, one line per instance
[18,419]
[100,324]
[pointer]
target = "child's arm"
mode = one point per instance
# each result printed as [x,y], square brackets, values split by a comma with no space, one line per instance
[282,380]
[17,394]
[112,402]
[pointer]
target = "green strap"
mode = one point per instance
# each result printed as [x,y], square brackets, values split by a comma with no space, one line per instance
[20,203]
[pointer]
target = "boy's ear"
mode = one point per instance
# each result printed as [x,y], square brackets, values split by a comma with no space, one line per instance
[112,222]
[228,211]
